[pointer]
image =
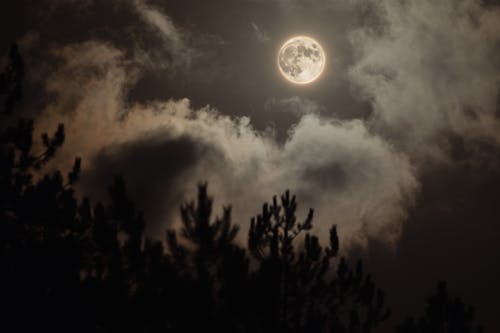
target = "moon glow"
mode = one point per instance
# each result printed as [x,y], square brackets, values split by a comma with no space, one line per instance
[301,60]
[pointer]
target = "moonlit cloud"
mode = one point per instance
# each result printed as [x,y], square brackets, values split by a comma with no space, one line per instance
[351,177]
[360,174]
[296,105]
[174,41]
[162,23]
[260,34]
[434,68]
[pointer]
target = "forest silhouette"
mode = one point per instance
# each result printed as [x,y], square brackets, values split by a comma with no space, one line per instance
[70,265]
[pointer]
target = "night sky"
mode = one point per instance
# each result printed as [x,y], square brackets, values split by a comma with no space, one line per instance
[398,142]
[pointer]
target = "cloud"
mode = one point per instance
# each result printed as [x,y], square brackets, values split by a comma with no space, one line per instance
[431,67]
[161,23]
[295,104]
[260,34]
[349,175]
[427,72]
[174,40]
[414,66]
[161,163]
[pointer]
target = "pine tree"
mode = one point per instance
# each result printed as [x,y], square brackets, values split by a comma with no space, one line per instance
[443,314]
[73,265]
[303,295]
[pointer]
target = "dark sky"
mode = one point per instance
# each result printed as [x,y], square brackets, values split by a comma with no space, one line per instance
[398,142]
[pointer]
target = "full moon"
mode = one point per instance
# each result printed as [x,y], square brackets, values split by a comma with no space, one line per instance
[301,60]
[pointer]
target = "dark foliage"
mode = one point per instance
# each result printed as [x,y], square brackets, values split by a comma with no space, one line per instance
[307,293]
[11,80]
[443,315]
[76,266]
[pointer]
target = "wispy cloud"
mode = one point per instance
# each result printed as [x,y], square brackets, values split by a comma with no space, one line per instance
[434,68]
[295,104]
[260,34]
[174,41]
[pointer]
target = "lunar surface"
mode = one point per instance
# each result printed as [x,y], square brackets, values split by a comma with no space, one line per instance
[301,60]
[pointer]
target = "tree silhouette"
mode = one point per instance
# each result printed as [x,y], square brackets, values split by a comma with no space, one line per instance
[78,266]
[443,314]
[35,215]
[53,248]
[11,81]
[306,295]
[208,257]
